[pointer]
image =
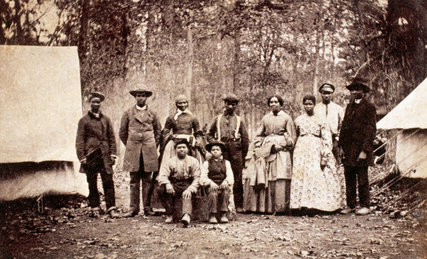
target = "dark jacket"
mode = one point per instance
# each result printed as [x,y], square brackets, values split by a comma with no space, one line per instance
[95,132]
[140,132]
[358,132]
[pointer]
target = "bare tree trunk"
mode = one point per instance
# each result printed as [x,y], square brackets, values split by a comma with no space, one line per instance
[236,66]
[191,93]
[17,20]
[84,22]
[316,64]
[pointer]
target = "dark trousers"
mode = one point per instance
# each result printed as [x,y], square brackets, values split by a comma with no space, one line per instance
[168,200]
[135,180]
[336,149]
[107,184]
[233,153]
[218,200]
[359,174]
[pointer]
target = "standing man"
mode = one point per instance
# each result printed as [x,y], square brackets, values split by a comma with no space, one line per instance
[96,150]
[330,113]
[179,179]
[140,132]
[356,141]
[229,128]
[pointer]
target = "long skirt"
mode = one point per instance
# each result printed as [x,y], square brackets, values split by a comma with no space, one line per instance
[272,199]
[313,187]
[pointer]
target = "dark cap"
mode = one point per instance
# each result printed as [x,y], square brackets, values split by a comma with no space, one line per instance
[139,91]
[181,141]
[231,98]
[327,88]
[96,95]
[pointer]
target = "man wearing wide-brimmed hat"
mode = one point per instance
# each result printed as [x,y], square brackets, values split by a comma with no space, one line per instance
[96,150]
[140,132]
[331,114]
[229,128]
[356,141]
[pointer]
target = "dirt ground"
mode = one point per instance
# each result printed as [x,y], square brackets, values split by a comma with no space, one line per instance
[66,230]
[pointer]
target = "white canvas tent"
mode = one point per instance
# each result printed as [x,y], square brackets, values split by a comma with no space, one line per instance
[410,117]
[40,105]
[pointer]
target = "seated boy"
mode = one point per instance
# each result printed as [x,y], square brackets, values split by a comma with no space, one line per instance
[218,177]
[179,178]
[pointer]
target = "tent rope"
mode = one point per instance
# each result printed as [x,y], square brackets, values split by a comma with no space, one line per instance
[407,173]
[385,143]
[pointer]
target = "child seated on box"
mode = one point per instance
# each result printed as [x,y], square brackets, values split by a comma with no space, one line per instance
[217,176]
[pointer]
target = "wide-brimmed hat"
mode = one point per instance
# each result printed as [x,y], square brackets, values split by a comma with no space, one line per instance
[96,95]
[231,98]
[215,143]
[327,87]
[358,86]
[139,91]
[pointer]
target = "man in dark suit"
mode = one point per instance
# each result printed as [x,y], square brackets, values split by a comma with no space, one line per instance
[96,150]
[356,143]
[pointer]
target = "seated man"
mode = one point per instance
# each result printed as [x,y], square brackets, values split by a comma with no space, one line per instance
[179,178]
[217,175]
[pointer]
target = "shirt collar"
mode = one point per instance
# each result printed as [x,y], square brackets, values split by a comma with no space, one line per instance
[141,108]
[179,112]
[279,113]
[95,115]
[357,101]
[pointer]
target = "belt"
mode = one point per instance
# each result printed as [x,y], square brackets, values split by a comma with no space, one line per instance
[189,138]
[317,136]
[174,180]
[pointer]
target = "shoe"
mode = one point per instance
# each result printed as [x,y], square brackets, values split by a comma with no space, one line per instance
[95,212]
[130,214]
[363,211]
[239,210]
[347,211]
[185,220]
[223,218]
[169,219]
[113,214]
[149,212]
[213,220]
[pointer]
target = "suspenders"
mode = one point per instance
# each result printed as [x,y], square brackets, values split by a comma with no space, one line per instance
[218,127]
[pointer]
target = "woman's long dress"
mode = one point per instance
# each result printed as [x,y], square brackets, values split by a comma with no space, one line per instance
[312,187]
[268,187]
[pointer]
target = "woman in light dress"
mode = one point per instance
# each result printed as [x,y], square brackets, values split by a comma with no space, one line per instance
[316,183]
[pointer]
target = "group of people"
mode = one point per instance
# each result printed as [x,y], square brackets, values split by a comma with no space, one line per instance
[290,165]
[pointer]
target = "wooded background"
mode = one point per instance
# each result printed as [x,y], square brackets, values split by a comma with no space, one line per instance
[206,48]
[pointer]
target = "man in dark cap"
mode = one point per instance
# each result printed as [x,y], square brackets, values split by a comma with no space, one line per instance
[96,150]
[140,132]
[179,179]
[229,128]
[331,114]
[356,141]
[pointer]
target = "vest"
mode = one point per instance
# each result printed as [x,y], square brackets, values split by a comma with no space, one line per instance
[217,171]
